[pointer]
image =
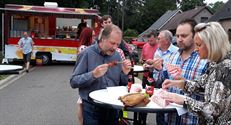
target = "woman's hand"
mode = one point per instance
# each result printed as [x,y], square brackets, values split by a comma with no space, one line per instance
[173,97]
[174,83]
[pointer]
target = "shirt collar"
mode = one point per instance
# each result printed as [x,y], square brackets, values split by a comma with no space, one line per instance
[170,49]
[193,54]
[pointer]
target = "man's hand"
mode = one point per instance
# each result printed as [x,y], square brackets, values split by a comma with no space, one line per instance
[100,70]
[149,61]
[158,63]
[126,66]
[174,83]
[174,70]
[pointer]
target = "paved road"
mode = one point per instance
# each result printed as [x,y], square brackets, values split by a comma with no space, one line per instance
[41,97]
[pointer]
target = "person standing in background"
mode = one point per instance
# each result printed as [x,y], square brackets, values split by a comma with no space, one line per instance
[85,40]
[26,44]
[86,36]
[162,54]
[147,52]
[81,26]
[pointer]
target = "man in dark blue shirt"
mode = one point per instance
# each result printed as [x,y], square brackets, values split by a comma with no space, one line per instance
[93,72]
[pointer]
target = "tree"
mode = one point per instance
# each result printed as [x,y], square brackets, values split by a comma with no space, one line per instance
[190,4]
[153,10]
[216,6]
[137,14]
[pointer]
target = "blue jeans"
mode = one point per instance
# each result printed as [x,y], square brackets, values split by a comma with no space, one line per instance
[96,115]
[27,57]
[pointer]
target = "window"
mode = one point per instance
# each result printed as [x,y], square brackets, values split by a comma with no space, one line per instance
[204,19]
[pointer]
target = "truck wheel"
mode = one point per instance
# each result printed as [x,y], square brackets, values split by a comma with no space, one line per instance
[46,59]
[43,59]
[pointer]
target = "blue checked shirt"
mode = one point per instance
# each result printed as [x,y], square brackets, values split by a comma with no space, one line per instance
[192,68]
[165,56]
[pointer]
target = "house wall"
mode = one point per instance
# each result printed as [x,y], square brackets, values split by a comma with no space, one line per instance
[226,24]
[1,42]
[203,13]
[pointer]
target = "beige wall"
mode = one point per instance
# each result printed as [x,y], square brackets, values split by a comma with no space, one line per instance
[226,24]
[203,13]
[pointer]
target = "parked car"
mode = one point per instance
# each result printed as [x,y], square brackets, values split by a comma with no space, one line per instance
[139,42]
[133,52]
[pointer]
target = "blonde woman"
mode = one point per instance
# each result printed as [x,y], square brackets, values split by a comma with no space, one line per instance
[211,43]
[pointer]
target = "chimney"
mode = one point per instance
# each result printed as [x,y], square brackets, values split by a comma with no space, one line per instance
[51,4]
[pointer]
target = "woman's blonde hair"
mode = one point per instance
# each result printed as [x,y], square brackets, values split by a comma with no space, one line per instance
[215,39]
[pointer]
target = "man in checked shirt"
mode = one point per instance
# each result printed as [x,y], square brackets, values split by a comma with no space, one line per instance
[191,65]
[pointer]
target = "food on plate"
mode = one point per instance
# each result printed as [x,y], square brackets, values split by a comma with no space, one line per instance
[157,98]
[136,88]
[134,99]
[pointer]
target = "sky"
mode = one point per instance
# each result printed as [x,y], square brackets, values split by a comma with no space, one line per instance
[214,1]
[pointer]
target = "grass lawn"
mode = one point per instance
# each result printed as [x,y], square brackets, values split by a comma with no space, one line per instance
[3,77]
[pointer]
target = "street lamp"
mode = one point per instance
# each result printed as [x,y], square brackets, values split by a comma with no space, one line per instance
[108,6]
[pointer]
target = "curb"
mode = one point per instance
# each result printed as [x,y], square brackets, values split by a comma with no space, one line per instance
[8,80]
[2,82]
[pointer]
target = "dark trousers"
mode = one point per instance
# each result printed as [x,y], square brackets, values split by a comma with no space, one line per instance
[96,115]
[144,81]
[160,119]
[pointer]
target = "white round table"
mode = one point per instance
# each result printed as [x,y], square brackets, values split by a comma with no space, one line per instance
[10,69]
[138,68]
[109,98]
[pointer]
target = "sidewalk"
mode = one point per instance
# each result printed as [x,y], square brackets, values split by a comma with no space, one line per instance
[11,78]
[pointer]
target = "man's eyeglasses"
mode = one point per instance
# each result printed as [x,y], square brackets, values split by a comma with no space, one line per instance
[201,26]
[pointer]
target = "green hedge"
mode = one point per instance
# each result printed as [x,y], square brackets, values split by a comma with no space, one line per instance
[128,39]
[131,33]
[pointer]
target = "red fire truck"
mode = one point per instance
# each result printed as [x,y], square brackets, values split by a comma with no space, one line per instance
[53,30]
